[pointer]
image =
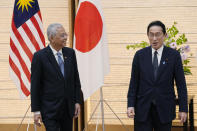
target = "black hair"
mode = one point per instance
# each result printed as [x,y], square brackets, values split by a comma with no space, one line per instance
[157,23]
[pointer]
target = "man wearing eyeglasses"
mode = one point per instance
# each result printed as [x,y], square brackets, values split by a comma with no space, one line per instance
[151,95]
[55,83]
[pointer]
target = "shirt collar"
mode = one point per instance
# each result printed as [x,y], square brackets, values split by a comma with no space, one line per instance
[159,51]
[54,51]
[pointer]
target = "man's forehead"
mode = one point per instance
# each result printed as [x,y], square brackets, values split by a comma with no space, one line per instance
[155,29]
[61,30]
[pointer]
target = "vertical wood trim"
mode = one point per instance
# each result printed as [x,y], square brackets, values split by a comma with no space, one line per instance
[76,5]
[71,15]
[86,112]
[72,7]
[71,12]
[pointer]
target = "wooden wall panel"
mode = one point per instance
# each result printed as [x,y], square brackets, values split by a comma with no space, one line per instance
[137,19]
[145,4]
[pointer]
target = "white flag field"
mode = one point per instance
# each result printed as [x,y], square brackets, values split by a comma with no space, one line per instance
[91,46]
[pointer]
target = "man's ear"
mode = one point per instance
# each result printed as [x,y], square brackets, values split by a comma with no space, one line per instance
[51,39]
[165,35]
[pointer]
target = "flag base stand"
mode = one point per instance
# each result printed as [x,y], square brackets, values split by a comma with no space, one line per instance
[18,129]
[100,102]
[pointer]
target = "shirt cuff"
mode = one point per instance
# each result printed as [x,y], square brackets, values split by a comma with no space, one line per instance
[37,113]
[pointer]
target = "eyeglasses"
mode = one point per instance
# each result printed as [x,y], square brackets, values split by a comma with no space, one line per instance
[157,35]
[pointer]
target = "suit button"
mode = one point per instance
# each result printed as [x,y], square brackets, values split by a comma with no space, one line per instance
[154,102]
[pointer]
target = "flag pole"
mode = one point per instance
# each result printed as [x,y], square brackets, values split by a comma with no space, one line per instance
[102,108]
[23,118]
[78,124]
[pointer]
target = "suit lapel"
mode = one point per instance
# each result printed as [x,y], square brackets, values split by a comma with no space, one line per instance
[53,61]
[66,59]
[163,61]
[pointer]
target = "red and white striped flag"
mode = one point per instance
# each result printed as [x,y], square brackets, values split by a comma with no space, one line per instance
[91,46]
[26,37]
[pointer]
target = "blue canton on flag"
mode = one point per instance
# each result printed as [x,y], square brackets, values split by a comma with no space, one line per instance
[21,16]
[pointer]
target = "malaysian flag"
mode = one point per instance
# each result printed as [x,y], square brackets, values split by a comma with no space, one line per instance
[26,37]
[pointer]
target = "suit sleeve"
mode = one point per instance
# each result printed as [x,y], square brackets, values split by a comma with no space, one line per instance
[35,83]
[77,81]
[134,82]
[181,84]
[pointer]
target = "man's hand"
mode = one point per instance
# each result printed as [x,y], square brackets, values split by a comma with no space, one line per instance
[183,116]
[37,119]
[77,110]
[131,112]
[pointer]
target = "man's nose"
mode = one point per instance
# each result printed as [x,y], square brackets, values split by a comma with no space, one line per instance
[154,37]
[66,37]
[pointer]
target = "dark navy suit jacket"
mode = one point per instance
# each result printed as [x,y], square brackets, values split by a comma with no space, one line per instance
[144,89]
[49,88]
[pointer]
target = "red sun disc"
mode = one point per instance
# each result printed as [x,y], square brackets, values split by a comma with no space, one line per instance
[88,27]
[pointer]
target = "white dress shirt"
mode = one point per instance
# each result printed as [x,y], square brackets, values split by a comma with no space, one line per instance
[159,54]
[56,57]
[55,53]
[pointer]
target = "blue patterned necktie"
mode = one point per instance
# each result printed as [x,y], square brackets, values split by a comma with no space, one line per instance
[61,63]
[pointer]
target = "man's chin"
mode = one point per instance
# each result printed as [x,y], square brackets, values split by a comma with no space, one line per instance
[155,47]
[64,44]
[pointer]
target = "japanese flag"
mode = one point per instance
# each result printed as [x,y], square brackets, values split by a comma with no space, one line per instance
[91,46]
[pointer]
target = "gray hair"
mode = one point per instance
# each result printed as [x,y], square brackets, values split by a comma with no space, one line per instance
[52,30]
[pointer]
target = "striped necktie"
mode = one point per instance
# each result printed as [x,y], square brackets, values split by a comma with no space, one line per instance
[61,63]
[155,64]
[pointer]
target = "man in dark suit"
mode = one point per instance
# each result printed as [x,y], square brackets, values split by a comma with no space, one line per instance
[151,95]
[55,84]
